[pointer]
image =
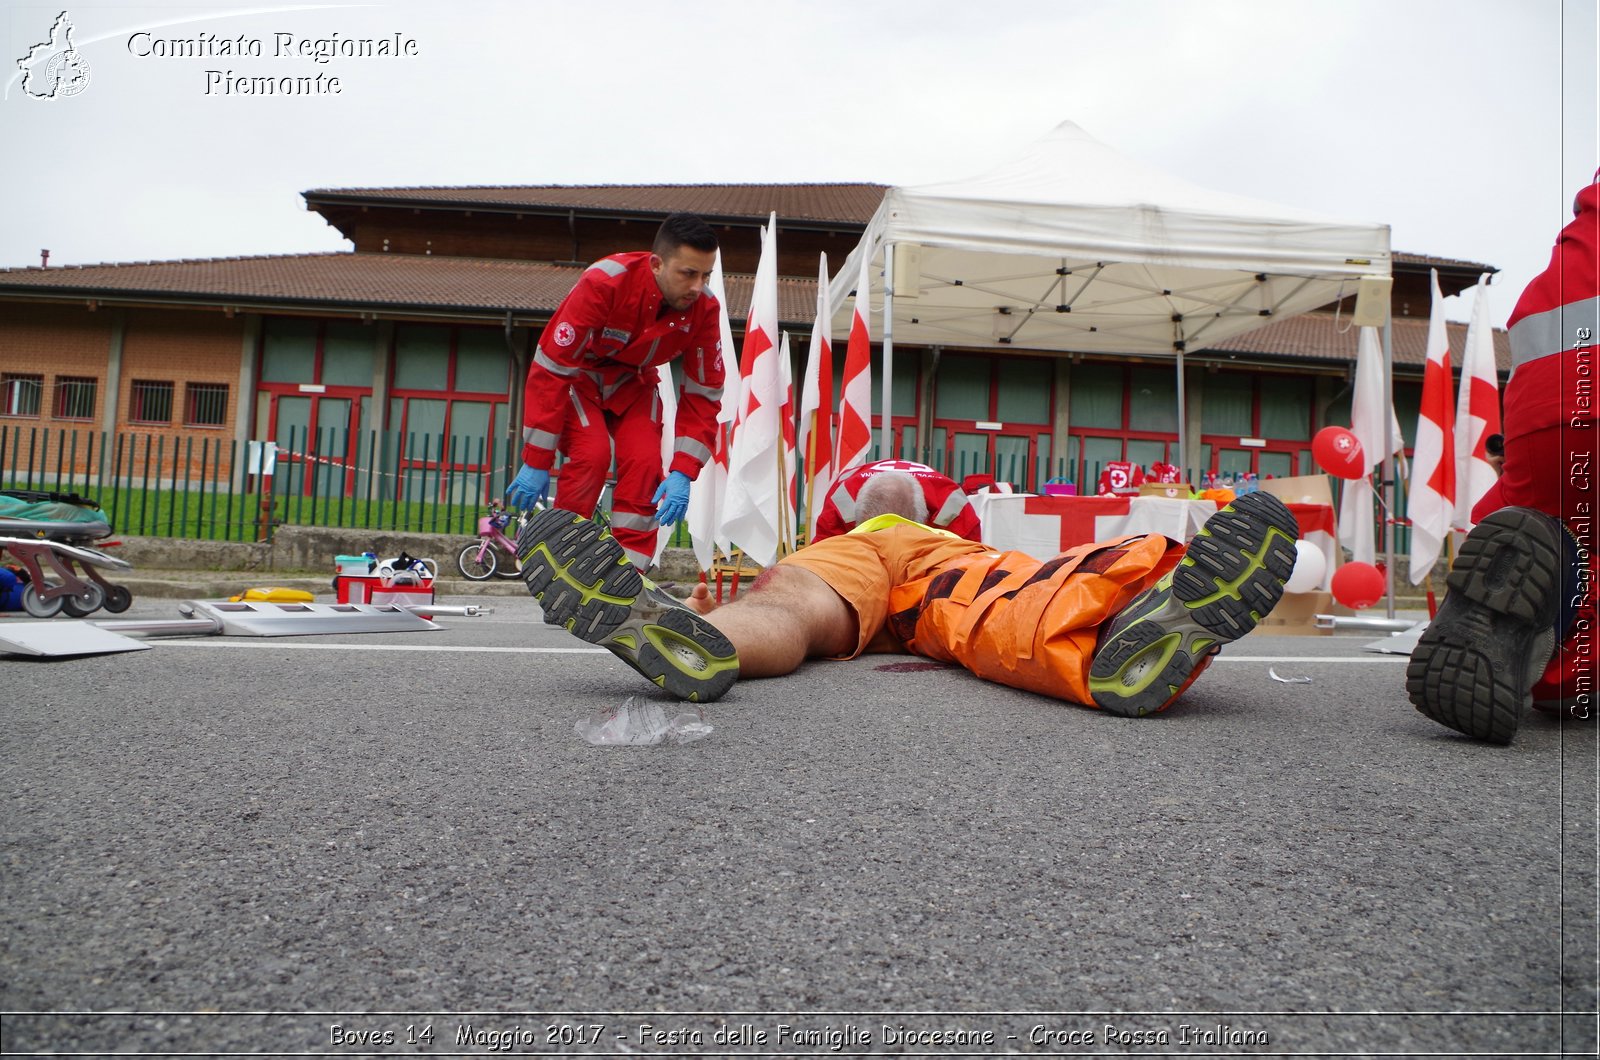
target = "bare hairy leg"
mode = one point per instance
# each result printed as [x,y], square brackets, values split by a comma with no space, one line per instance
[787,615]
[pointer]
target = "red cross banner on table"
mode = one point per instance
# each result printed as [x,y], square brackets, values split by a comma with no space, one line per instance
[1044,526]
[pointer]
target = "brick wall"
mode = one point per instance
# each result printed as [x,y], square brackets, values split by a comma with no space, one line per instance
[180,347]
[54,341]
[68,341]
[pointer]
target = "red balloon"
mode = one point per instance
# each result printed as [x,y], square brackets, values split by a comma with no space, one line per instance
[1358,585]
[1339,453]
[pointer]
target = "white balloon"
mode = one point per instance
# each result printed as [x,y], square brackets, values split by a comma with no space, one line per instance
[1309,567]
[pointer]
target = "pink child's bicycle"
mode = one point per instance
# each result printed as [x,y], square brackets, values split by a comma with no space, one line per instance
[482,560]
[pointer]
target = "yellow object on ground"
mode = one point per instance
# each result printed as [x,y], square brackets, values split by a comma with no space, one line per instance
[274,595]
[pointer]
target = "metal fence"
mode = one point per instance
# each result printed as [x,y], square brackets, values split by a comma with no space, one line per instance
[169,485]
[217,489]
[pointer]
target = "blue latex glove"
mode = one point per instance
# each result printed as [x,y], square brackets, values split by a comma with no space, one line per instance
[672,498]
[529,487]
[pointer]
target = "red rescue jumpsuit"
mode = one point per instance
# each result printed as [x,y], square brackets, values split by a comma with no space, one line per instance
[948,507]
[1550,428]
[593,379]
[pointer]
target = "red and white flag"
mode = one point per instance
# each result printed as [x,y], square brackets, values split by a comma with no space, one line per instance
[1369,405]
[1477,410]
[1431,498]
[855,405]
[750,510]
[816,408]
[705,498]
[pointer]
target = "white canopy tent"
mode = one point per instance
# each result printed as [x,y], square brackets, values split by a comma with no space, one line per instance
[1072,247]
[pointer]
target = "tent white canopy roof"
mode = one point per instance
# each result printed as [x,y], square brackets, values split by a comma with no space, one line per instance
[1071,246]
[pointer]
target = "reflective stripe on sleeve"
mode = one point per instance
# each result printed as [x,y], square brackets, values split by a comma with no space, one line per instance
[583,417]
[633,521]
[1555,330]
[710,393]
[845,503]
[540,439]
[951,508]
[609,267]
[690,447]
[543,360]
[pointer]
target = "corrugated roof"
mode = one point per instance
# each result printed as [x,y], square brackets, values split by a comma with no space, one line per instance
[490,287]
[1400,257]
[354,281]
[1324,337]
[847,204]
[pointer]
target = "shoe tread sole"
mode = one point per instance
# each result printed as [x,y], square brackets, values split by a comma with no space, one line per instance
[1470,668]
[1231,576]
[585,583]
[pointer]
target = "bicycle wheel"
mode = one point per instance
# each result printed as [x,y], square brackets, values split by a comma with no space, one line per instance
[475,567]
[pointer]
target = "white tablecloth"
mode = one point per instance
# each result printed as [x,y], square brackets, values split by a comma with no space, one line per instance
[1044,526]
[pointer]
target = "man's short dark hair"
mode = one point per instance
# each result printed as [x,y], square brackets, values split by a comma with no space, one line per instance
[683,230]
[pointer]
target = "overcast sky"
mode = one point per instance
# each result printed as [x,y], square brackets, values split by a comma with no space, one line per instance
[1466,125]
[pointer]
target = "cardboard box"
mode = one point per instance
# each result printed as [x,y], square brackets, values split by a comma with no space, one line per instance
[1300,489]
[1179,490]
[1296,614]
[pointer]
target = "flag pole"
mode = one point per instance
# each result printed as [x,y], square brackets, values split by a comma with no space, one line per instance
[783,499]
[886,438]
[1388,464]
[811,476]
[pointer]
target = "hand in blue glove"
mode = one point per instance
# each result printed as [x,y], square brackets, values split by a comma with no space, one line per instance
[529,487]
[672,498]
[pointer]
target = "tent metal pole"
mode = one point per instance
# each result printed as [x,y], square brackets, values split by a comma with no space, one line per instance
[1183,420]
[885,438]
[1389,444]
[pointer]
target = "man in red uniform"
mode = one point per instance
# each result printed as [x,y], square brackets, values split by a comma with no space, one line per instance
[593,381]
[943,504]
[1521,590]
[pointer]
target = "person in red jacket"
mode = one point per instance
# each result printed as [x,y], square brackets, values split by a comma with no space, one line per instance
[593,382]
[1518,623]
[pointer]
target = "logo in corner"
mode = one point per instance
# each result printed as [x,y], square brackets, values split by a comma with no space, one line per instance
[565,334]
[54,69]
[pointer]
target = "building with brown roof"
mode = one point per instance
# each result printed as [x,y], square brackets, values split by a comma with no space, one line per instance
[401,359]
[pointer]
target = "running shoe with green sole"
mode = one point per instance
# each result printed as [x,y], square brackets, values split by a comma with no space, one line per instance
[1230,577]
[585,583]
[1475,664]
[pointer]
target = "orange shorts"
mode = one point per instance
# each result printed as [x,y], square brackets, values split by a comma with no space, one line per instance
[1005,616]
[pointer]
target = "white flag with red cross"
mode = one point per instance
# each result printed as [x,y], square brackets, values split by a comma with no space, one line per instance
[816,408]
[1477,410]
[1431,497]
[1369,406]
[750,510]
[705,497]
[855,405]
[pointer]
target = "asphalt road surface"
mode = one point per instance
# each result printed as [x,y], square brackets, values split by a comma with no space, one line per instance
[397,843]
